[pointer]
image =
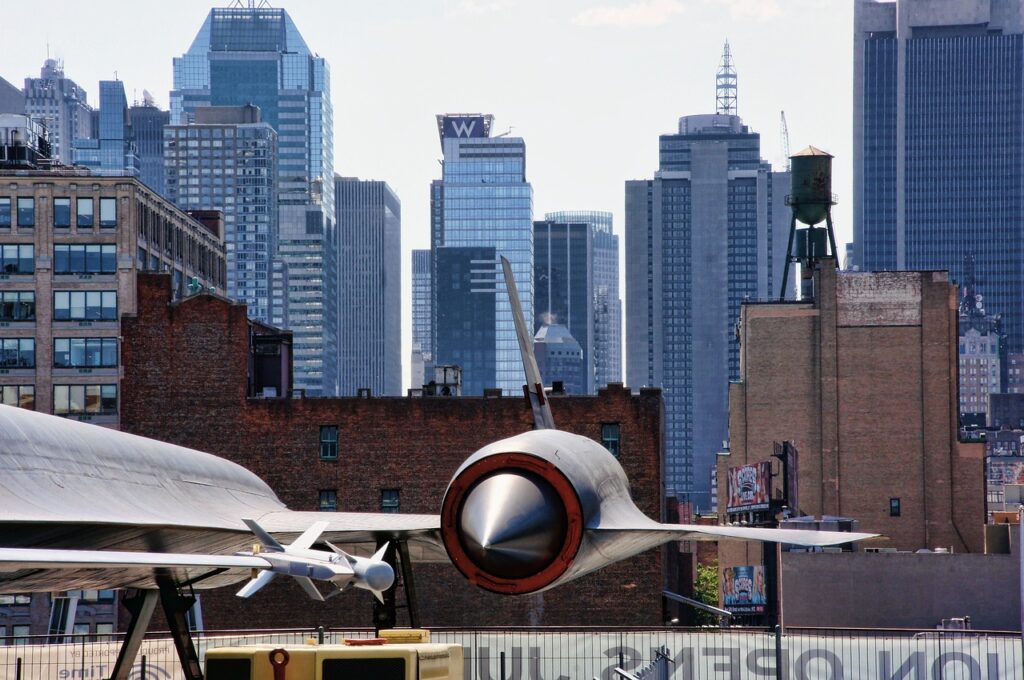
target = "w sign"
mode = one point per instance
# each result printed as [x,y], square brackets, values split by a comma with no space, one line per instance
[464,126]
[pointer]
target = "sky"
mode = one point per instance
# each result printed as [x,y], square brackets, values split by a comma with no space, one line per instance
[589,84]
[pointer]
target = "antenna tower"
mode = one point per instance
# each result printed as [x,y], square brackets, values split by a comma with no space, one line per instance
[784,136]
[725,84]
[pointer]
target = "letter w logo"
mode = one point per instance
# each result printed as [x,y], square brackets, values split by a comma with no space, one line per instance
[463,127]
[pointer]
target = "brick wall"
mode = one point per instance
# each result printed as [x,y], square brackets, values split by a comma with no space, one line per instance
[185,378]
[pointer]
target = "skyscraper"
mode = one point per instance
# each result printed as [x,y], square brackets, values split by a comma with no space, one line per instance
[607,347]
[111,150]
[61,106]
[563,285]
[370,287]
[227,160]
[483,204]
[939,143]
[422,347]
[256,55]
[147,123]
[709,231]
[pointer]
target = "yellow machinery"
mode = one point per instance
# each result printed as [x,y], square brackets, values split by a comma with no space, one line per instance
[396,655]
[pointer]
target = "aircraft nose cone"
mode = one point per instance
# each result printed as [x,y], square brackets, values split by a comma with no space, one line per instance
[379,576]
[513,524]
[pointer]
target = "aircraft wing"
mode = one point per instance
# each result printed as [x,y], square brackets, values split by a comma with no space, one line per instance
[14,559]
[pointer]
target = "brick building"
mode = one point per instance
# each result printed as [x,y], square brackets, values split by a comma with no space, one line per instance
[187,384]
[864,381]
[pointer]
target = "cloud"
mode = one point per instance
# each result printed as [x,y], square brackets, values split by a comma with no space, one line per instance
[756,10]
[483,6]
[641,13]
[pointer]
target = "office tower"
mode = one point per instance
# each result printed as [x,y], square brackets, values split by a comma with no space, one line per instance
[256,55]
[560,358]
[370,287]
[607,347]
[563,289]
[148,123]
[422,349]
[110,151]
[482,204]
[983,357]
[227,160]
[61,105]
[72,245]
[709,231]
[939,143]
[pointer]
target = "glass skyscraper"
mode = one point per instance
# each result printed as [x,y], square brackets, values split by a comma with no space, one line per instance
[708,232]
[370,287]
[227,161]
[422,340]
[147,123]
[607,347]
[484,205]
[111,150]
[255,55]
[62,106]
[939,144]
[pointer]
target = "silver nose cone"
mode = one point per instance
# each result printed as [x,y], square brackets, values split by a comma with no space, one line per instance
[513,524]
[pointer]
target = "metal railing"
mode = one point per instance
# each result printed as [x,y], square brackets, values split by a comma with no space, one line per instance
[585,653]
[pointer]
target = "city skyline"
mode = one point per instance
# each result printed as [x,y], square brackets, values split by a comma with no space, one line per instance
[654,60]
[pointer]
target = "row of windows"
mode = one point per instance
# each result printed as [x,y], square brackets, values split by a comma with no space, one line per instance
[84,400]
[84,212]
[81,305]
[67,353]
[389,500]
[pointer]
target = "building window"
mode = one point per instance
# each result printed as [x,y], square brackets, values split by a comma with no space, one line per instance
[85,305]
[610,438]
[85,259]
[17,259]
[70,400]
[17,353]
[62,213]
[23,396]
[85,353]
[5,212]
[328,500]
[108,212]
[389,500]
[17,305]
[328,442]
[84,212]
[894,507]
[20,631]
[26,212]
[16,599]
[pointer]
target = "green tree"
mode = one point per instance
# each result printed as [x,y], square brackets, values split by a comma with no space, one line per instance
[706,590]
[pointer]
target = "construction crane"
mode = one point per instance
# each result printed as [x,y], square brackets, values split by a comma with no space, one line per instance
[784,136]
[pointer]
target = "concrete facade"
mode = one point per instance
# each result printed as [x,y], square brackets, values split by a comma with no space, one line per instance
[186,383]
[870,426]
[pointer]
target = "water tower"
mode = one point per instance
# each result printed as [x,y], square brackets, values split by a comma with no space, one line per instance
[811,201]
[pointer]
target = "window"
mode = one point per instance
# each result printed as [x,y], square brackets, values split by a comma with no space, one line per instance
[15,599]
[19,395]
[389,500]
[610,438]
[17,305]
[85,305]
[26,212]
[17,353]
[328,500]
[328,442]
[17,259]
[5,212]
[894,507]
[62,212]
[84,212]
[20,631]
[85,352]
[85,259]
[108,212]
[84,400]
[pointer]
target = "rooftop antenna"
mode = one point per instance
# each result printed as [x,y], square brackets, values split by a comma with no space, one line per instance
[249,4]
[784,134]
[725,85]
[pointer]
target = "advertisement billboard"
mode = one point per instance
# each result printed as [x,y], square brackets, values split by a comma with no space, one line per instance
[464,126]
[743,590]
[1005,470]
[749,487]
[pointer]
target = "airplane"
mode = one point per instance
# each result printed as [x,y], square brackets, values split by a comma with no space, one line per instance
[85,507]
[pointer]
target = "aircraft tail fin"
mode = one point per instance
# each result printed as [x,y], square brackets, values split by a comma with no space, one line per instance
[542,418]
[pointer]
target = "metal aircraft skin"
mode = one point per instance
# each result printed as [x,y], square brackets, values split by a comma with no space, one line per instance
[85,507]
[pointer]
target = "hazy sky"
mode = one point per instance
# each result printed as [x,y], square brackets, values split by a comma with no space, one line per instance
[589,84]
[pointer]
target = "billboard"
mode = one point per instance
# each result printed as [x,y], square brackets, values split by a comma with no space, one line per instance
[1005,470]
[749,487]
[463,126]
[743,590]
